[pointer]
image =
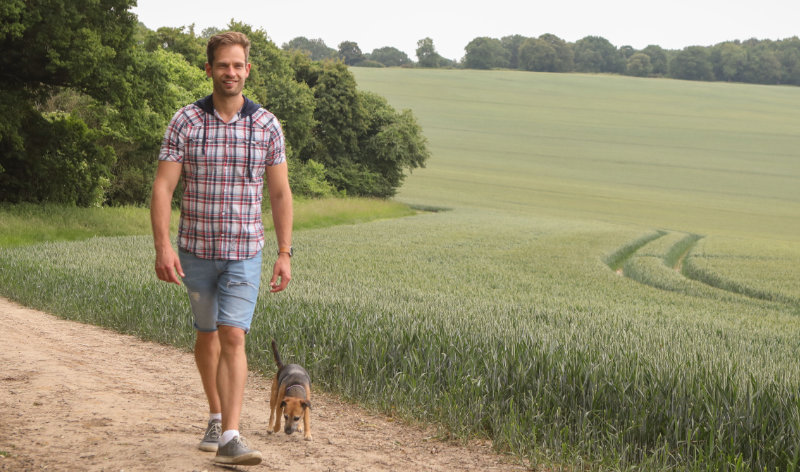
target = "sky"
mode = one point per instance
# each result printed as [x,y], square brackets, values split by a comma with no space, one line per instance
[453,24]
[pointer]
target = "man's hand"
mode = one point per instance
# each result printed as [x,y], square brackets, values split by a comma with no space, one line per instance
[167,265]
[281,273]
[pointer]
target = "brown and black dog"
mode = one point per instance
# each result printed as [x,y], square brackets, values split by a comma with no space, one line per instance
[291,396]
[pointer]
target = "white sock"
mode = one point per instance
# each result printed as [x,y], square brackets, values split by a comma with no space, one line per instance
[227,436]
[215,416]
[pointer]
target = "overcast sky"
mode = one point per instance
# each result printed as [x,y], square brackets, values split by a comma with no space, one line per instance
[453,24]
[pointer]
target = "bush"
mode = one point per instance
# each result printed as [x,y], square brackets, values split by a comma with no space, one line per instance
[308,179]
[61,162]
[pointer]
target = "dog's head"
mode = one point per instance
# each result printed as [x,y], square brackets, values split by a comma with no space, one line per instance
[293,411]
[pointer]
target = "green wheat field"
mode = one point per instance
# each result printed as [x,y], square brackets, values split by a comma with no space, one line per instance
[605,276]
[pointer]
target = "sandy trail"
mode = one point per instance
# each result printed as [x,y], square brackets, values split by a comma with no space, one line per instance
[75,397]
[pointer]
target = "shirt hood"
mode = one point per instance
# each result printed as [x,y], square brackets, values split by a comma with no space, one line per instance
[207,105]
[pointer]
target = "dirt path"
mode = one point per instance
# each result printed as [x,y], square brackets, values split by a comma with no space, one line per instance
[76,397]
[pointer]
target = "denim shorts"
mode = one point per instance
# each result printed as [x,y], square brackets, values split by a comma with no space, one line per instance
[221,292]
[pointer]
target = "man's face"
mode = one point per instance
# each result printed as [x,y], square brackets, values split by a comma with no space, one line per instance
[229,71]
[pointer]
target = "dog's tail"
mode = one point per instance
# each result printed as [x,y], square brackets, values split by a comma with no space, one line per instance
[276,355]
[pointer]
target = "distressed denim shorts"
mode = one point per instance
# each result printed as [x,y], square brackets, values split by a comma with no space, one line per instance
[221,292]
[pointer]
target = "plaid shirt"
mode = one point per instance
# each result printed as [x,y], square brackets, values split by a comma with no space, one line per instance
[223,176]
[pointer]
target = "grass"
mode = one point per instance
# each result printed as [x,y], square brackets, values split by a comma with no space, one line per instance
[26,224]
[694,157]
[505,316]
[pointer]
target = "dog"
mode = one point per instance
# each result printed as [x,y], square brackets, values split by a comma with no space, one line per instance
[291,397]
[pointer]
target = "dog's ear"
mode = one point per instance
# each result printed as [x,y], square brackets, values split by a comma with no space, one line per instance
[306,404]
[283,404]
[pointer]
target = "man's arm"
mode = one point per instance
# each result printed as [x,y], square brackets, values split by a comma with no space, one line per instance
[167,262]
[280,197]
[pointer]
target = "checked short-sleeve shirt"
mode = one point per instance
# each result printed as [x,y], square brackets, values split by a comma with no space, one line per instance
[223,177]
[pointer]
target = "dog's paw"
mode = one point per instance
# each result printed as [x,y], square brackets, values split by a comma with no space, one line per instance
[307,438]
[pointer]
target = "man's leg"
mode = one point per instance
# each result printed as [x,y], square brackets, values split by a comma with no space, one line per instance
[232,375]
[206,356]
[237,292]
[201,281]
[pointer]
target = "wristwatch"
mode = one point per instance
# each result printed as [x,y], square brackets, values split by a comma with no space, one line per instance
[286,250]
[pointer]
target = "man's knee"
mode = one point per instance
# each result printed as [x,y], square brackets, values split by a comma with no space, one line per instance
[231,337]
[207,340]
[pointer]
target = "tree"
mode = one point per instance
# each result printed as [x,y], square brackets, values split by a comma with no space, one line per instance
[49,47]
[363,144]
[762,65]
[537,55]
[788,53]
[639,65]
[390,144]
[485,53]
[626,52]
[316,48]
[350,53]
[390,57]
[426,53]
[564,55]
[180,40]
[728,60]
[597,54]
[547,53]
[60,43]
[692,63]
[658,59]
[512,44]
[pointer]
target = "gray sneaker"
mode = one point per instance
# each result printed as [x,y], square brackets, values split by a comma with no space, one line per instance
[210,441]
[236,452]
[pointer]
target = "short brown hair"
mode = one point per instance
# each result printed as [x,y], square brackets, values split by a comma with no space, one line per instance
[227,39]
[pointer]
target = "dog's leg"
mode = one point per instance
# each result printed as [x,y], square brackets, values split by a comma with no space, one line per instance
[307,414]
[273,403]
[279,408]
[307,425]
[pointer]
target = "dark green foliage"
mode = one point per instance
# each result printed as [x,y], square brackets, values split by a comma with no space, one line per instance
[180,40]
[81,44]
[658,59]
[548,53]
[512,44]
[596,54]
[316,48]
[639,65]
[751,61]
[486,53]
[363,143]
[61,162]
[48,45]
[309,179]
[350,53]
[427,55]
[87,93]
[389,57]
[391,143]
[693,63]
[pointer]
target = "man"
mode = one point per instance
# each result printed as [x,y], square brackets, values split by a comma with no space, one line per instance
[223,145]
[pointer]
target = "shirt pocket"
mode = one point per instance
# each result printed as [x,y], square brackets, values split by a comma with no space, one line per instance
[200,153]
[251,152]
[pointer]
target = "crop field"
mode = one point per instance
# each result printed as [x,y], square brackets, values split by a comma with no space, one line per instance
[612,286]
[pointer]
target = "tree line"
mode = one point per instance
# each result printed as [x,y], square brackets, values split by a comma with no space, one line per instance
[750,61]
[86,92]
